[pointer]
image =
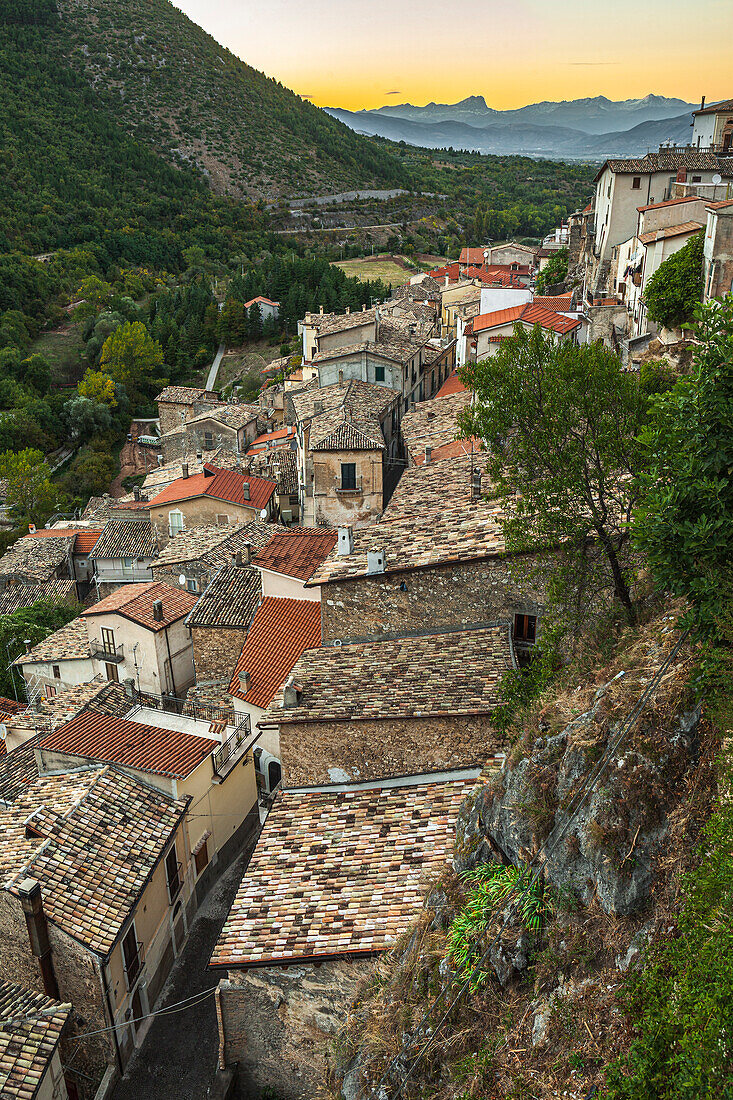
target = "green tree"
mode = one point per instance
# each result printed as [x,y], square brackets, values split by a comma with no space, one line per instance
[36,373]
[685,522]
[675,288]
[31,497]
[555,271]
[90,473]
[94,294]
[86,418]
[33,623]
[98,386]
[560,424]
[131,356]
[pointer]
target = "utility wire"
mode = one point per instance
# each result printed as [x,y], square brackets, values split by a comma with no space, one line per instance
[14,1022]
[542,857]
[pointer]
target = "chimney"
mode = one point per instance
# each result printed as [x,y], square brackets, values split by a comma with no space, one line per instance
[341,378]
[160,460]
[428,454]
[27,644]
[199,456]
[245,681]
[292,692]
[128,686]
[184,470]
[31,528]
[363,307]
[348,310]
[476,483]
[320,310]
[238,559]
[245,490]
[375,562]
[317,408]
[29,891]
[702,104]
[158,611]
[136,492]
[345,541]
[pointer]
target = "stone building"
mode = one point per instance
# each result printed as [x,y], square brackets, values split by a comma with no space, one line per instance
[335,880]
[430,425]
[391,706]
[123,554]
[197,553]
[220,620]
[228,428]
[214,496]
[718,250]
[177,404]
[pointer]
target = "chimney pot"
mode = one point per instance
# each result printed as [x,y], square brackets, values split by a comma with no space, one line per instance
[292,692]
[245,490]
[345,541]
[160,460]
[245,680]
[136,492]
[348,310]
[128,686]
[341,378]
[375,562]
[184,470]
[158,611]
[428,454]
[320,310]
[31,528]
[27,644]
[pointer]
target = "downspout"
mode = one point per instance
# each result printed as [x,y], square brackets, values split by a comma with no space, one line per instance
[222,1039]
[113,1028]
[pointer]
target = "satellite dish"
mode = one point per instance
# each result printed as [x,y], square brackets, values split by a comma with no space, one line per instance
[717,178]
[182,579]
[486,254]
[263,513]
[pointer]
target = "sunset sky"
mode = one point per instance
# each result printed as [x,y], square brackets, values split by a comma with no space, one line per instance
[354,54]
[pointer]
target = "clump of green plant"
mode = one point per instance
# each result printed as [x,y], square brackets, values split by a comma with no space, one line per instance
[489,888]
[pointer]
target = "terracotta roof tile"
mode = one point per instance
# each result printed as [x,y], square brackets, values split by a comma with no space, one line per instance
[213,543]
[451,385]
[38,557]
[529,314]
[135,602]
[23,595]
[451,672]
[224,485]
[110,740]
[184,395]
[86,541]
[296,553]
[26,1050]
[667,202]
[341,872]
[683,229]
[70,643]
[126,538]
[281,631]
[433,423]
[230,599]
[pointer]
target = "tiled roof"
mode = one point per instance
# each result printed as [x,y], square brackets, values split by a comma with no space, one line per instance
[110,698]
[23,595]
[184,395]
[528,313]
[357,404]
[347,437]
[452,672]
[341,322]
[26,1050]
[667,202]
[110,740]
[433,423]
[86,541]
[135,602]
[671,160]
[168,472]
[681,230]
[70,643]
[455,449]
[558,302]
[427,487]
[257,533]
[84,538]
[719,205]
[229,416]
[229,600]
[126,538]
[279,464]
[281,631]
[213,542]
[220,485]
[279,438]
[296,553]
[101,834]
[260,298]
[452,384]
[472,256]
[342,871]
[715,108]
[38,559]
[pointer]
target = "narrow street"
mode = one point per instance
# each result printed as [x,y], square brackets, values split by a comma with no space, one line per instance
[177,1060]
[211,380]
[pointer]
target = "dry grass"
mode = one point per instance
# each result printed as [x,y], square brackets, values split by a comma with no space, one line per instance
[387,268]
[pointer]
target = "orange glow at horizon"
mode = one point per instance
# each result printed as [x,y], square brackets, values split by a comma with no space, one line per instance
[349,54]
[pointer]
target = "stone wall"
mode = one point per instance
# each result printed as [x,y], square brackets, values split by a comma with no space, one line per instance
[215,651]
[337,752]
[457,594]
[276,1023]
[170,572]
[78,979]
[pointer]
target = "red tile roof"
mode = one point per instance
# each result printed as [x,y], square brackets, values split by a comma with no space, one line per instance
[86,541]
[260,298]
[280,438]
[472,256]
[451,385]
[529,314]
[451,450]
[296,553]
[681,230]
[135,602]
[220,485]
[719,204]
[281,631]
[668,202]
[559,303]
[111,740]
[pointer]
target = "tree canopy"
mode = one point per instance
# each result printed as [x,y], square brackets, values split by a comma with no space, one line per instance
[675,288]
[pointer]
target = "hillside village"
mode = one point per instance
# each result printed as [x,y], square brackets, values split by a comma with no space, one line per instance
[291,645]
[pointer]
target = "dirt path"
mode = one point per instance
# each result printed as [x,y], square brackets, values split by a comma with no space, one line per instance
[134,460]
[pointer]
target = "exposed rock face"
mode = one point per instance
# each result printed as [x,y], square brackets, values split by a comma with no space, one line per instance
[608,848]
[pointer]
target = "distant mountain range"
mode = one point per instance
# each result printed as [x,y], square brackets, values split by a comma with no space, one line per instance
[573,129]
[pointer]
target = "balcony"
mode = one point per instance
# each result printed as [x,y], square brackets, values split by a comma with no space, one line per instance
[352,487]
[231,751]
[112,655]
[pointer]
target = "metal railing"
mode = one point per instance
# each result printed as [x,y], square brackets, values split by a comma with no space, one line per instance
[135,964]
[112,654]
[355,488]
[190,708]
[231,750]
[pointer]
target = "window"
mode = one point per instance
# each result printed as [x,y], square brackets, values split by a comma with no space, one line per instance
[222,519]
[56,671]
[525,628]
[131,955]
[636,183]
[348,475]
[696,179]
[192,584]
[201,858]
[127,563]
[51,692]
[108,640]
[175,522]
[379,374]
[208,441]
[112,673]
[172,873]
